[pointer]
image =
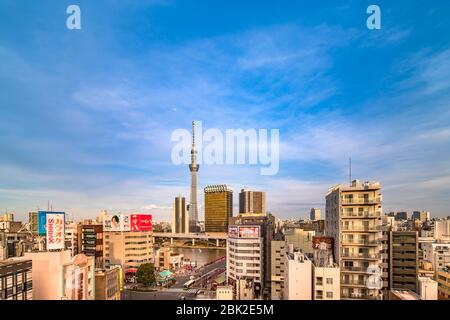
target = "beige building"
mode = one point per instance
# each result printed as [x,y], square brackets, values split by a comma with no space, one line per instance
[166,259]
[353,219]
[107,284]
[47,273]
[278,251]
[297,276]
[314,214]
[428,289]
[443,279]
[326,282]
[301,239]
[180,223]
[224,293]
[129,249]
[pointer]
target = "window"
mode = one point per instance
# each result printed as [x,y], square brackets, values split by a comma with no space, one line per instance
[329,295]
[329,280]
[319,281]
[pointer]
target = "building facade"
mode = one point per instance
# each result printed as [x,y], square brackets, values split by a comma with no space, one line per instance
[92,242]
[16,281]
[180,223]
[218,208]
[107,284]
[297,276]
[314,214]
[278,251]
[253,202]
[79,278]
[353,219]
[404,260]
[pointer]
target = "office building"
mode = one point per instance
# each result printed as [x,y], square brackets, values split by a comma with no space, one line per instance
[353,219]
[404,260]
[107,284]
[128,249]
[180,223]
[47,273]
[297,276]
[401,216]
[314,214]
[16,281]
[218,208]
[252,202]
[443,279]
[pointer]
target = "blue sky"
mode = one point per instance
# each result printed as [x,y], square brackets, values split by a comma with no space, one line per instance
[86,115]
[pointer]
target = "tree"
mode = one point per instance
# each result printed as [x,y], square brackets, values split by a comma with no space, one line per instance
[146,274]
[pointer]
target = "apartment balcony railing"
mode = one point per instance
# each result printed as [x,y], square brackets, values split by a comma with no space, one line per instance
[360,256]
[359,296]
[358,201]
[353,283]
[361,228]
[364,214]
[360,242]
[355,269]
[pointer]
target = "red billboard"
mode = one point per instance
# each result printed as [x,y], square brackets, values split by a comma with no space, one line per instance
[233,232]
[141,222]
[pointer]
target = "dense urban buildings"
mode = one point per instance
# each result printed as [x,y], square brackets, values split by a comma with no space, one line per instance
[218,207]
[353,219]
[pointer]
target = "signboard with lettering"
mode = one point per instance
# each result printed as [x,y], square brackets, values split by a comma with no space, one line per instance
[55,231]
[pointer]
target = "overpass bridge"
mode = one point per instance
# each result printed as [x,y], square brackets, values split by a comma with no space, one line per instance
[191,236]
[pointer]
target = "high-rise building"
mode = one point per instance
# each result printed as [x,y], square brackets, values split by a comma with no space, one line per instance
[421,215]
[404,260]
[252,202]
[218,208]
[314,214]
[442,229]
[193,167]
[249,255]
[180,222]
[400,216]
[353,219]
[16,279]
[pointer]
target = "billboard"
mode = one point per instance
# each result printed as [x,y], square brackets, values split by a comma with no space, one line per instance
[116,222]
[55,230]
[42,221]
[233,232]
[248,232]
[322,243]
[141,222]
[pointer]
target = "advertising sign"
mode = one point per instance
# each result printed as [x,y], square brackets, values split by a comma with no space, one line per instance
[233,232]
[117,222]
[248,232]
[141,222]
[55,231]
[42,221]
[323,243]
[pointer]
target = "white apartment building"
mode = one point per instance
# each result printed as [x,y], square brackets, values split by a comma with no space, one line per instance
[245,261]
[353,219]
[297,276]
[442,229]
[438,254]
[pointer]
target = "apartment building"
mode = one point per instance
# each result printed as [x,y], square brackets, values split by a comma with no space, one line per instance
[16,282]
[438,254]
[79,278]
[404,260]
[278,251]
[428,288]
[107,284]
[253,202]
[443,279]
[353,219]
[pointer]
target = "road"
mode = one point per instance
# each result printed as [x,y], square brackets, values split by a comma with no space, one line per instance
[176,292]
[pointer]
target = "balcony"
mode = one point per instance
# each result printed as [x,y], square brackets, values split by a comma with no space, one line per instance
[353,283]
[354,269]
[366,256]
[362,242]
[357,201]
[360,215]
[360,228]
[359,296]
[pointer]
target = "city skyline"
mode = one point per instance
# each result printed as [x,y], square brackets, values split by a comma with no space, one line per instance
[87,114]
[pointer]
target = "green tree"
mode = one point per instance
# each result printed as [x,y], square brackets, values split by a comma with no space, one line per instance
[146,274]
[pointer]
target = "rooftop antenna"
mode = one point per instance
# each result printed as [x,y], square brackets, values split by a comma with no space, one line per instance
[350,171]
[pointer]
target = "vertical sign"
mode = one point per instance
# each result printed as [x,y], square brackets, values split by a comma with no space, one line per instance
[55,231]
